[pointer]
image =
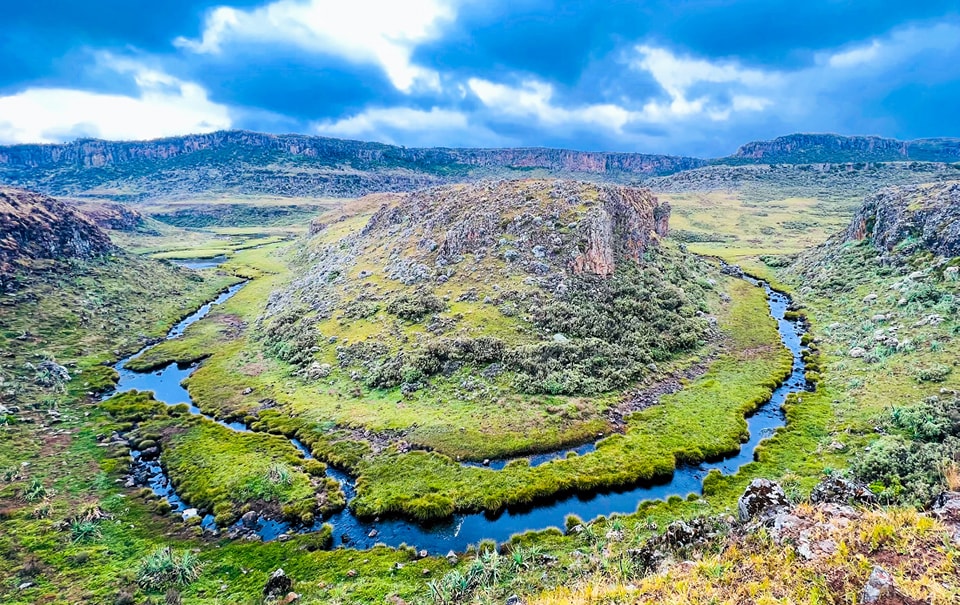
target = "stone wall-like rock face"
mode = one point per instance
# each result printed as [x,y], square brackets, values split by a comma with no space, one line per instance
[621,227]
[34,226]
[927,216]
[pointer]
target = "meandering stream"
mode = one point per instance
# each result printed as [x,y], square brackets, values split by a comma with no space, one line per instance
[463,530]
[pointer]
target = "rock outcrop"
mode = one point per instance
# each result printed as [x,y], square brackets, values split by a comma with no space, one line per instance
[115,217]
[539,225]
[909,218]
[762,499]
[832,148]
[34,226]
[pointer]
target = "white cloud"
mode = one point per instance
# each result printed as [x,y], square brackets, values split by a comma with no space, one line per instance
[364,31]
[165,106]
[533,99]
[854,56]
[679,75]
[404,125]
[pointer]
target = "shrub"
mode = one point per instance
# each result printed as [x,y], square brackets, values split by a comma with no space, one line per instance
[907,465]
[415,306]
[164,568]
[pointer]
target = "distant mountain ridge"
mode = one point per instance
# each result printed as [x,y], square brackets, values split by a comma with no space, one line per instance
[296,165]
[251,163]
[835,149]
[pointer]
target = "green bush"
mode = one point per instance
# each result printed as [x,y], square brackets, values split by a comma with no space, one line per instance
[415,306]
[906,465]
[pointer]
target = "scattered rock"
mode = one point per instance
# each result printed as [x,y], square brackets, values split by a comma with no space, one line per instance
[840,491]
[762,498]
[879,586]
[857,352]
[249,518]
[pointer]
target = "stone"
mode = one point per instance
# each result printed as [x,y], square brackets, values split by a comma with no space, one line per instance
[879,586]
[513,600]
[249,518]
[373,533]
[190,513]
[946,507]
[291,597]
[840,491]
[452,558]
[869,298]
[762,498]
[352,573]
[857,352]
[278,585]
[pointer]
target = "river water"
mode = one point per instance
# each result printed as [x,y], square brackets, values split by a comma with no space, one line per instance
[463,530]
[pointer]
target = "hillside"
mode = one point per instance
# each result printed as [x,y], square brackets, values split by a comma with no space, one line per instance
[837,149]
[291,165]
[37,227]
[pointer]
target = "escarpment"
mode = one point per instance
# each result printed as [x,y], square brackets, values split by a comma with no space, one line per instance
[924,216]
[34,226]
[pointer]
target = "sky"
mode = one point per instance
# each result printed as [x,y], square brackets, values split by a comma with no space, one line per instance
[688,77]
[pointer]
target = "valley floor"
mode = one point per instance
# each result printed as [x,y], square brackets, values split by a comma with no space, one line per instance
[884,339]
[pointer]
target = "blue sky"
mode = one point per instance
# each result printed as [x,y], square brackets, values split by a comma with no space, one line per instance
[693,77]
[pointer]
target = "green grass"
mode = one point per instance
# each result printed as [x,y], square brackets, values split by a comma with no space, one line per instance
[704,420]
[227,473]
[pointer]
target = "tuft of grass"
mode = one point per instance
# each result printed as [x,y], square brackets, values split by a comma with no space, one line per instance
[166,568]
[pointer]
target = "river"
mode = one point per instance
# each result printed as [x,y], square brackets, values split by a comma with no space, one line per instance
[463,530]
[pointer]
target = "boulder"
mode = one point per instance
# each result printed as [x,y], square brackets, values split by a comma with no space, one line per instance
[840,491]
[947,507]
[762,498]
[278,585]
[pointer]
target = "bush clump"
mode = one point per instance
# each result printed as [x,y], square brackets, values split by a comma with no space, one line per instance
[165,568]
[415,306]
[906,466]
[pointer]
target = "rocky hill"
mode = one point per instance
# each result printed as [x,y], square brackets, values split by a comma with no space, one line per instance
[832,148]
[520,278]
[34,226]
[295,165]
[115,217]
[911,218]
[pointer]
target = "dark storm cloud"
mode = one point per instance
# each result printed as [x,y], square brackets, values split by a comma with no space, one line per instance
[695,76]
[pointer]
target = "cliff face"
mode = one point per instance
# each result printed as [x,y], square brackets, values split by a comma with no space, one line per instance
[34,226]
[925,215]
[830,148]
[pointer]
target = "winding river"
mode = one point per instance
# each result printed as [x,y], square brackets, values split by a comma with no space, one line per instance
[463,530]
